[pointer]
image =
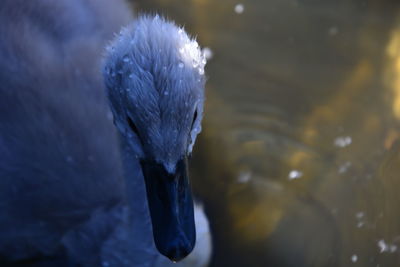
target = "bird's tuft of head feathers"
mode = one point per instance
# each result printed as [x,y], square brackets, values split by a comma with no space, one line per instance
[154,74]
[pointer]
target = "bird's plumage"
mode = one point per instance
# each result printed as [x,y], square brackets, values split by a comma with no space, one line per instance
[63,187]
[58,152]
[154,73]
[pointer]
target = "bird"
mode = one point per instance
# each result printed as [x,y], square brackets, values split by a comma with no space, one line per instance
[94,143]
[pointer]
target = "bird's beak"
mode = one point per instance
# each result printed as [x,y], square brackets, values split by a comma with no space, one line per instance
[171,208]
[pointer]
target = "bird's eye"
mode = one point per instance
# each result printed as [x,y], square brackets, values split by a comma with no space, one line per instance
[194,119]
[133,127]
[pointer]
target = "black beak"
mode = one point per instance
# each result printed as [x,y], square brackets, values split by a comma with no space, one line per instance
[171,208]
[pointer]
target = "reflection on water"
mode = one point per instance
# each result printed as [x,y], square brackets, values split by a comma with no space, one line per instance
[298,162]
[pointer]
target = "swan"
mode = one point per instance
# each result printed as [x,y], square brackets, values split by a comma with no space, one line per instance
[93,152]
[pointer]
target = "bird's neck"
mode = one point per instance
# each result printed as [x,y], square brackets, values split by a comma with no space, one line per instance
[134,238]
[134,181]
[136,197]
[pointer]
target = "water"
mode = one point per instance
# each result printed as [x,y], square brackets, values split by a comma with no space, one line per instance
[298,162]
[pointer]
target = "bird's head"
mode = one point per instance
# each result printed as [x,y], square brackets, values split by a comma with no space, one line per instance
[154,74]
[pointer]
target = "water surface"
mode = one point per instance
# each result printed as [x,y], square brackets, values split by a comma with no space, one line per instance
[298,163]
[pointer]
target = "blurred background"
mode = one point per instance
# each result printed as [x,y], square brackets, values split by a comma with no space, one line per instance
[298,162]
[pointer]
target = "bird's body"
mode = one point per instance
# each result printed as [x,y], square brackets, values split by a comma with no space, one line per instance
[71,189]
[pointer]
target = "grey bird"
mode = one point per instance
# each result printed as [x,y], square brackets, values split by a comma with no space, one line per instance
[82,185]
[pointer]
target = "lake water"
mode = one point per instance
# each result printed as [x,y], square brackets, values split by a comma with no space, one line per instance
[298,163]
